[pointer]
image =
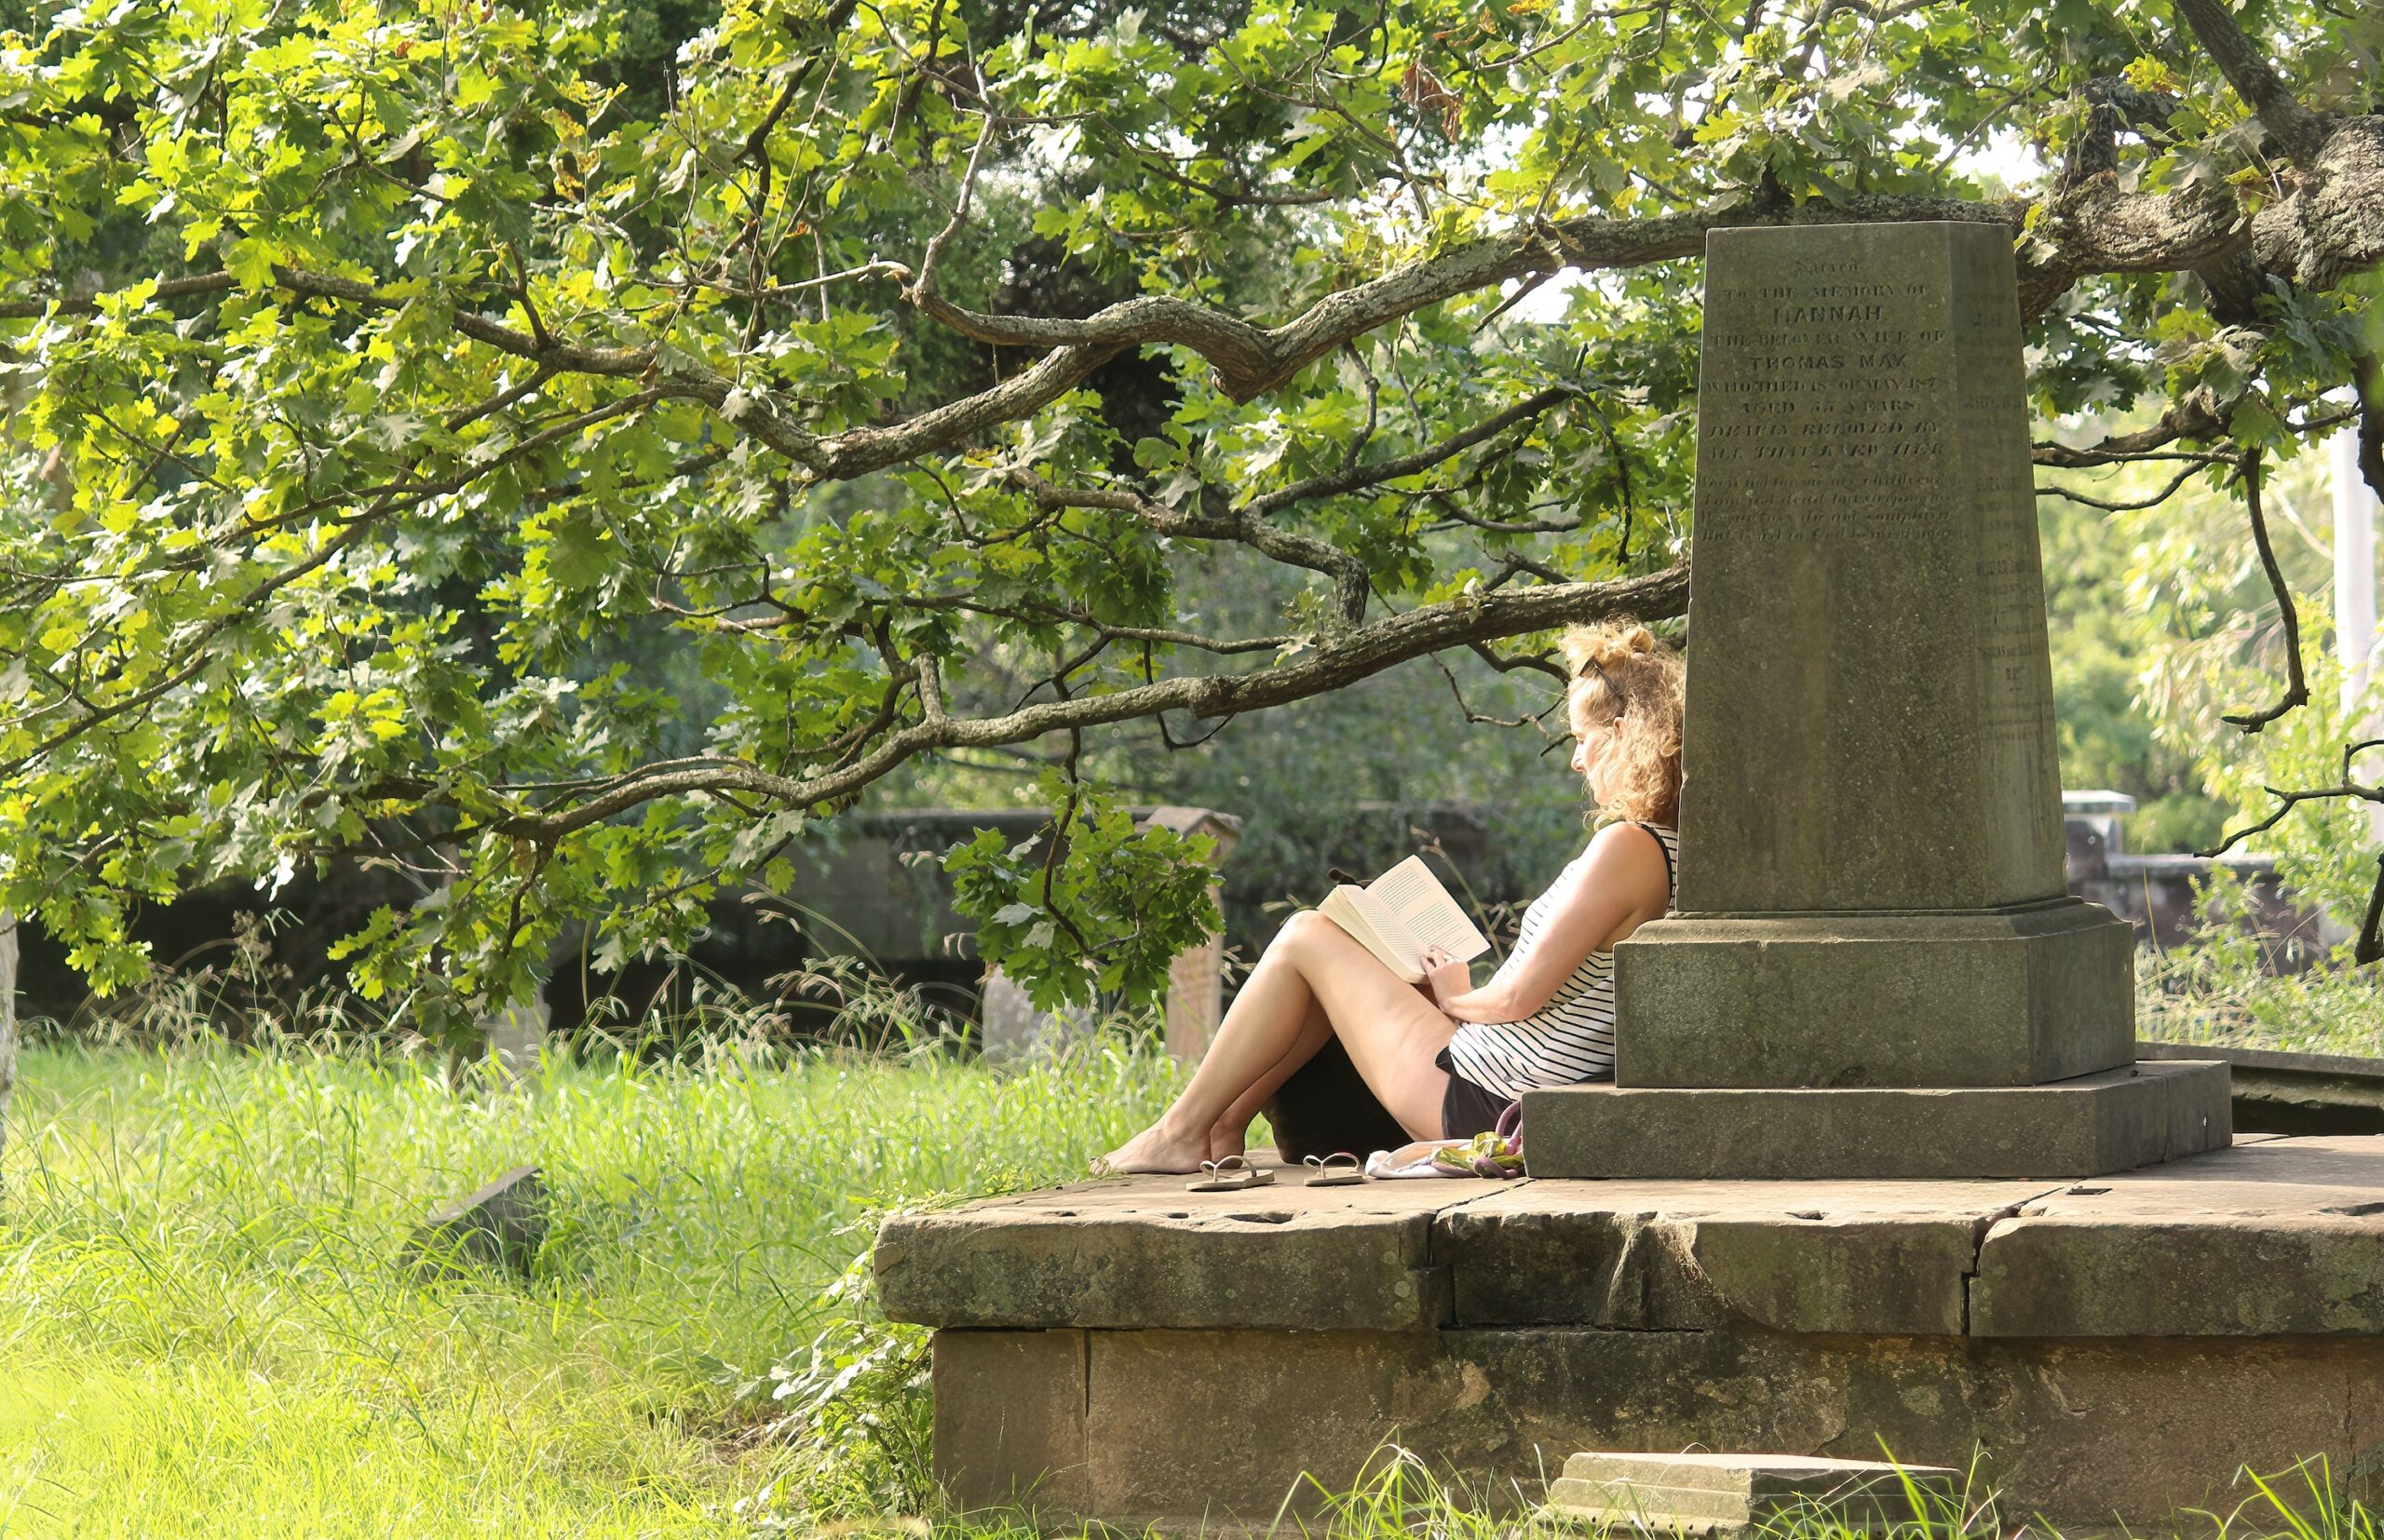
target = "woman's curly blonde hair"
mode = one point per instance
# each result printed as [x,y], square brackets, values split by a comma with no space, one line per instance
[1621,673]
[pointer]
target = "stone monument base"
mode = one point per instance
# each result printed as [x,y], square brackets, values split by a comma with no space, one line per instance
[2115,1121]
[2114,1351]
[1992,997]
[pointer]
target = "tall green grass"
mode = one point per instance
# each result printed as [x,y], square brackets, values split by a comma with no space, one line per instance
[2218,988]
[204,1329]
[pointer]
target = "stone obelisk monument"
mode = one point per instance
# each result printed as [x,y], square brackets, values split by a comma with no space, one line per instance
[1874,969]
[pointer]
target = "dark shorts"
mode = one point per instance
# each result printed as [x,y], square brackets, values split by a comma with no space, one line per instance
[1466,1108]
[1325,1107]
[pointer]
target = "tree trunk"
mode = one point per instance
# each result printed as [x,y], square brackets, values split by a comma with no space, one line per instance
[7,1020]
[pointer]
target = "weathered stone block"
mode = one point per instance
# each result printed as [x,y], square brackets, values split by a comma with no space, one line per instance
[1009,1419]
[1210,1427]
[502,1225]
[2276,1238]
[2008,998]
[2086,1127]
[1878,1276]
[1880,1258]
[1150,1254]
[2080,1432]
[1620,1269]
[1224,1426]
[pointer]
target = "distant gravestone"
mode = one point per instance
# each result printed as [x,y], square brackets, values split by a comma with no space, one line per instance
[1871,900]
[1012,1028]
[502,1225]
[517,1034]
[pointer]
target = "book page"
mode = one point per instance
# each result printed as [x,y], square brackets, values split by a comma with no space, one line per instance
[1375,927]
[1423,908]
[1406,950]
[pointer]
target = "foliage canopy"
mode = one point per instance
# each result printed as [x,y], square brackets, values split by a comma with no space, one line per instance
[387,378]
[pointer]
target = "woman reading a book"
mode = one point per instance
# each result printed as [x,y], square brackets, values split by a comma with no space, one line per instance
[1442,1057]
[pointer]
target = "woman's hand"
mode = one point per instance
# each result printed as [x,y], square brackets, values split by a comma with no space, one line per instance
[1444,977]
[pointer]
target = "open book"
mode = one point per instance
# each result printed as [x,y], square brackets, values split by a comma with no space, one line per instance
[1402,914]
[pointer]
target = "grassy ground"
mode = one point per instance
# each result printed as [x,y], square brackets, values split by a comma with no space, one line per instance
[203,1331]
[2205,995]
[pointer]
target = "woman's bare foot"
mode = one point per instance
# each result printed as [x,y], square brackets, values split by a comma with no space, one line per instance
[1224,1139]
[1154,1150]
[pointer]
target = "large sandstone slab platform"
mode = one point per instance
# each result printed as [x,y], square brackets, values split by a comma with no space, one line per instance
[2118,1347]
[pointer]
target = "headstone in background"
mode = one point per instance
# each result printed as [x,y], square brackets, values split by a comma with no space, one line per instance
[1871,896]
[2160,893]
[502,1225]
[516,1034]
[1011,1027]
[1196,980]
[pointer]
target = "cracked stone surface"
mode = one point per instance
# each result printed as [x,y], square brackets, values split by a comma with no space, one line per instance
[2273,1237]
[1141,1252]
[1879,1257]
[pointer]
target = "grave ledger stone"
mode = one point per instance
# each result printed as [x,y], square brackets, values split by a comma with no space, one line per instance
[1874,969]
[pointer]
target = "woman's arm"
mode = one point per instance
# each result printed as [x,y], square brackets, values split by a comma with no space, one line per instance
[1620,886]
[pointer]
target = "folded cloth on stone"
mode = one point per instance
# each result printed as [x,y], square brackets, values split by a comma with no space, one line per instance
[1488,1154]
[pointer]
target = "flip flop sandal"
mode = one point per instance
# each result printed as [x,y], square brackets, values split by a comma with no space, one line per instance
[1340,1170]
[1230,1175]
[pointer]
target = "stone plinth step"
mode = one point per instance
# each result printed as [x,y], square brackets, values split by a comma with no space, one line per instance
[1725,1493]
[2010,997]
[1144,1252]
[2089,1126]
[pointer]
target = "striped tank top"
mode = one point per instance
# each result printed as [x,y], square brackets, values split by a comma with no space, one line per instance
[1569,1039]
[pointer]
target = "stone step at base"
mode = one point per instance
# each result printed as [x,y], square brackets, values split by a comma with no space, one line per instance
[2015,996]
[1883,1501]
[2140,1115]
[1724,1494]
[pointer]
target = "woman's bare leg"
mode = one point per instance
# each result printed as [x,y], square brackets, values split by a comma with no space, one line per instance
[1391,1031]
[1230,1136]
